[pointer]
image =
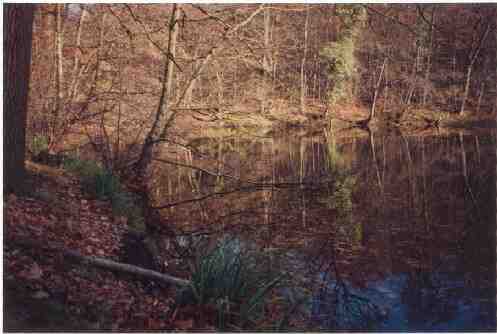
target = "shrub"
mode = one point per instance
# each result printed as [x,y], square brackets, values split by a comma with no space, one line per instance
[228,279]
[124,205]
[38,144]
[95,180]
[103,184]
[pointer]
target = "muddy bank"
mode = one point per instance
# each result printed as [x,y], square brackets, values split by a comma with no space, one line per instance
[315,118]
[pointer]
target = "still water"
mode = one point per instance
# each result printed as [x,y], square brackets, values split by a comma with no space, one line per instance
[379,232]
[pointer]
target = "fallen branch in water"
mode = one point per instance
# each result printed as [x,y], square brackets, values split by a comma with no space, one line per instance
[102,263]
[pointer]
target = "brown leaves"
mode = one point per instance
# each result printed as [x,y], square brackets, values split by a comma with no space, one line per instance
[88,227]
[33,273]
[184,324]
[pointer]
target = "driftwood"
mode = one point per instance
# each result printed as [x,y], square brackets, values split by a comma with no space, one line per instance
[103,263]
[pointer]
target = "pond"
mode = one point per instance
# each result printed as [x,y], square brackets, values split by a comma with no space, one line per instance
[379,231]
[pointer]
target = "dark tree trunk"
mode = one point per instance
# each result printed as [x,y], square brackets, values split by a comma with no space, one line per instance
[17,27]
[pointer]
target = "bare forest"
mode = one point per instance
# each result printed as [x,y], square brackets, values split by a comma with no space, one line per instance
[239,167]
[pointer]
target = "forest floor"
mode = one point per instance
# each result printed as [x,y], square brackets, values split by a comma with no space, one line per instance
[45,292]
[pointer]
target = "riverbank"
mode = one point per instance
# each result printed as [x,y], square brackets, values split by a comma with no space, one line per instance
[240,123]
[44,291]
[72,263]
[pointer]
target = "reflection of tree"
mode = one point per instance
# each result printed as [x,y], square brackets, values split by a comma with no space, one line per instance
[336,306]
[429,299]
[340,186]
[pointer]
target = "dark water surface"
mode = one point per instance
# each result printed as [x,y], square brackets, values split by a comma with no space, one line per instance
[378,232]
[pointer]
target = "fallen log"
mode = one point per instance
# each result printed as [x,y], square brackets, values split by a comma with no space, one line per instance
[103,263]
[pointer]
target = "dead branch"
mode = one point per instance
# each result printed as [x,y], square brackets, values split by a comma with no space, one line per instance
[101,262]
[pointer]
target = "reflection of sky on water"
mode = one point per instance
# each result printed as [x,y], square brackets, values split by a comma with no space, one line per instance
[445,305]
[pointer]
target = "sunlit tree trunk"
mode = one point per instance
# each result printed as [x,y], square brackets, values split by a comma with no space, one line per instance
[469,70]
[77,69]
[302,65]
[430,56]
[220,88]
[387,90]
[376,91]
[266,62]
[17,30]
[59,74]
[189,92]
[413,80]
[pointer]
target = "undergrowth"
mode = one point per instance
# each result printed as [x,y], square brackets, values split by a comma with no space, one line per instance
[228,279]
[38,144]
[103,184]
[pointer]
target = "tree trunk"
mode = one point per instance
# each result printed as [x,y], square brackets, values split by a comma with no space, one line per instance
[189,92]
[267,59]
[376,91]
[220,88]
[412,81]
[160,116]
[495,33]
[302,65]
[76,73]
[469,71]
[59,75]
[430,57]
[18,30]
[466,89]
[385,94]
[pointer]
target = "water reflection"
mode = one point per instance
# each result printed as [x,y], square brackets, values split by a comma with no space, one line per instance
[391,232]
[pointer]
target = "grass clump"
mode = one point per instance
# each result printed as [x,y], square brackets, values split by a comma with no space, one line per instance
[38,144]
[228,279]
[105,185]
[124,205]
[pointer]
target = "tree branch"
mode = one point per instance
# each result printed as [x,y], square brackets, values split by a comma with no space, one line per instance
[101,262]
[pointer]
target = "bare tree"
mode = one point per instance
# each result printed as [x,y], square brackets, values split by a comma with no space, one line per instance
[266,63]
[472,59]
[167,82]
[302,65]
[430,56]
[163,120]
[59,74]
[376,91]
